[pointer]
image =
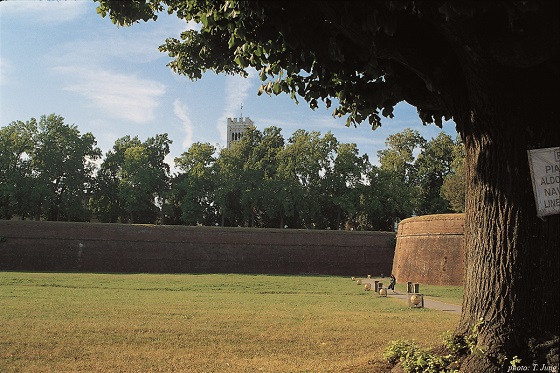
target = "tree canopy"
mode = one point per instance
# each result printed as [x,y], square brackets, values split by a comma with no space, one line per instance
[46,168]
[308,181]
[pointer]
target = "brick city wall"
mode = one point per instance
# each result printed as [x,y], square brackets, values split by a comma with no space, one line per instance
[430,250]
[96,247]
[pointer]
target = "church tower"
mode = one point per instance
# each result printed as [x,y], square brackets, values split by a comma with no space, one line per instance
[236,127]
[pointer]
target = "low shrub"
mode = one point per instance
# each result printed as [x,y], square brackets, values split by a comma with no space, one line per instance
[415,359]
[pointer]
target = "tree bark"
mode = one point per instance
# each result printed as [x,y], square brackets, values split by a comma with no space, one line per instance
[511,255]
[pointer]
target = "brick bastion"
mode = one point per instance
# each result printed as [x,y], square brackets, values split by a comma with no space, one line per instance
[429,250]
[97,247]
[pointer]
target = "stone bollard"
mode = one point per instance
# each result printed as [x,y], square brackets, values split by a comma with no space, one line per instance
[376,286]
[409,288]
[367,286]
[358,282]
[416,288]
[383,292]
[416,300]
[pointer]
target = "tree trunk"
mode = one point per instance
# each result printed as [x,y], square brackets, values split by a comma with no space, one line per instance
[338,218]
[511,256]
[39,208]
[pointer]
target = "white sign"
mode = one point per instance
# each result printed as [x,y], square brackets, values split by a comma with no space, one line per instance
[545,169]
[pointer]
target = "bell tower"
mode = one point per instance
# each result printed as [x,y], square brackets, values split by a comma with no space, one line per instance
[236,127]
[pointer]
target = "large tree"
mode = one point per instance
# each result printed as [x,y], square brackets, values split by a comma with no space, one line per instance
[46,169]
[106,202]
[194,188]
[17,142]
[345,186]
[490,66]
[433,165]
[62,163]
[133,180]
[453,187]
[307,157]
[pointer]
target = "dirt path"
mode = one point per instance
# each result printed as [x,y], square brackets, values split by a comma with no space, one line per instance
[428,302]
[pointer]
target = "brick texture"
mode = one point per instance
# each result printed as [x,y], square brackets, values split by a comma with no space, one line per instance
[96,247]
[430,250]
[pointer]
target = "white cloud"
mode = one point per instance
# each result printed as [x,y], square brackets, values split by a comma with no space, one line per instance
[45,12]
[326,123]
[5,68]
[108,44]
[181,111]
[237,89]
[122,95]
[113,48]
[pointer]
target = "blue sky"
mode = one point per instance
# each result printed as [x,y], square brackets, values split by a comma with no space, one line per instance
[61,57]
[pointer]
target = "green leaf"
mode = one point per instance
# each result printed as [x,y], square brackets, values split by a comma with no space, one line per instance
[204,20]
[231,42]
[240,61]
[259,50]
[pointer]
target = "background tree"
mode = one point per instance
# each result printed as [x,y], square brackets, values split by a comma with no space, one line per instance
[228,170]
[157,148]
[433,164]
[304,161]
[106,202]
[453,187]
[291,192]
[399,156]
[269,183]
[135,191]
[273,186]
[17,141]
[245,160]
[397,176]
[345,180]
[385,200]
[491,66]
[63,162]
[414,170]
[194,188]
[133,180]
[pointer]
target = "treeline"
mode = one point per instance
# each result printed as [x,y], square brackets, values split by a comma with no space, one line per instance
[48,170]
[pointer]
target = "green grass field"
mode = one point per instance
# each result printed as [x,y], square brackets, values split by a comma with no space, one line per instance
[204,323]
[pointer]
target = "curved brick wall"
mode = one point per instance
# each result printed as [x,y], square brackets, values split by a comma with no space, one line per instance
[430,250]
[96,247]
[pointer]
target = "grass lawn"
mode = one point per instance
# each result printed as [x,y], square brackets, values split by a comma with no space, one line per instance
[68,322]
